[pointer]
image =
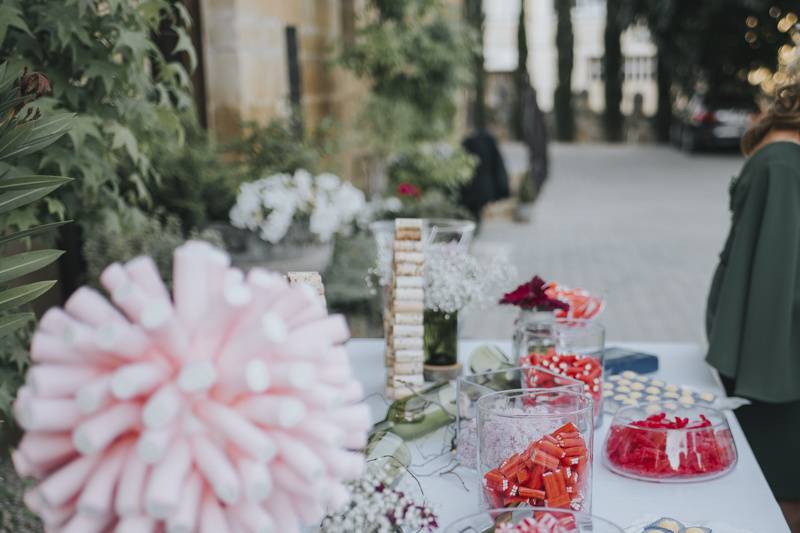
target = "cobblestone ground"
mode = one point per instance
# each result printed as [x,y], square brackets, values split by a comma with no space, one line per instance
[642,224]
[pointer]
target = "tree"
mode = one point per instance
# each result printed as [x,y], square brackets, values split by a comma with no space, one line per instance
[565,114]
[473,14]
[521,77]
[613,72]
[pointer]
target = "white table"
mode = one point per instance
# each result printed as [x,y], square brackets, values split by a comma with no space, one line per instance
[741,498]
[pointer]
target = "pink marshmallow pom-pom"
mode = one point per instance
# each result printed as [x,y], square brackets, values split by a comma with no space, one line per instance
[230,406]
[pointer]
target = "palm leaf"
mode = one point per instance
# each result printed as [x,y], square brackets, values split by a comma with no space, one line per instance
[20,264]
[23,294]
[11,323]
[35,135]
[30,232]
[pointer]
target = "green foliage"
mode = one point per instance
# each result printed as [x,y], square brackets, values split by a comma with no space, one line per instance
[23,133]
[473,14]
[415,56]
[562,101]
[125,236]
[130,98]
[446,171]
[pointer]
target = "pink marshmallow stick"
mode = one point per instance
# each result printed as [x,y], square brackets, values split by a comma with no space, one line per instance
[113,276]
[46,414]
[184,519]
[302,458]
[254,518]
[255,478]
[45,450]
[212,517]
[123,340]
[135,524]
[287,481]
[52,381]
[94,395]
[298,376]
[295,302]
[355,418]
[130,490]
[337,496]
[90,307]
[272,410]
[51,516]
[343,465]
[311,513]
[237,379]
[313,340]
[325,396]
[236,428]
[154,443]
[333,373]
[96,433]
[135,379]
[49,348]
[55,321]
[144,272]
[24,467]
[352,392]
[316,430]
[217,469]
[86,523]
[133,300]
[65,483]
[282,513]
[160,320]
[192,263]
[167,480]
[163,406]
[97,494]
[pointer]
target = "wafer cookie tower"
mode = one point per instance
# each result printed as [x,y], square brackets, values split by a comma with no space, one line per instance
[404,349]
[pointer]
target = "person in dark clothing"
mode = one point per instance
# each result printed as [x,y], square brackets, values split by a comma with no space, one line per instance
[490,181]
[753,316]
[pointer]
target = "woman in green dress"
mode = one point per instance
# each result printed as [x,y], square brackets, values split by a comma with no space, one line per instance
[753,317]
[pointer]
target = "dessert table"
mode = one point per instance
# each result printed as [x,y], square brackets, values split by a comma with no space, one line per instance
[741,499]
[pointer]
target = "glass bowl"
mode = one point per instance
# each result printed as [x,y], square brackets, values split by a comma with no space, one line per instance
[512,520]
[535,448]
[647,442]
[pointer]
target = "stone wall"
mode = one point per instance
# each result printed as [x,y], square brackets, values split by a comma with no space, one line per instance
[246,65]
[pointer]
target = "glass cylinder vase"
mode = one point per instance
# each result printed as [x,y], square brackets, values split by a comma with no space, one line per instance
[531,320]
[535,449]
[515,519]
[571,347]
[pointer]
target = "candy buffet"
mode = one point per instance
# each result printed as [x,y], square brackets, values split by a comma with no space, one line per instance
[233,402]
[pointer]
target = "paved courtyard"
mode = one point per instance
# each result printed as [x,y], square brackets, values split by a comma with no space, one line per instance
[641,224]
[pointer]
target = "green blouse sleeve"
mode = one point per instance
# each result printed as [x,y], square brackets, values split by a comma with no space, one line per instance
[754,327]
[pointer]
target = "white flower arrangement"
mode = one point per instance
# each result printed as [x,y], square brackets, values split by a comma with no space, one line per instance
[455,279]
[323,205]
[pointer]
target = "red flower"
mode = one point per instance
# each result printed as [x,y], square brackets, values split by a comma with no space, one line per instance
[409,189]
[532,295]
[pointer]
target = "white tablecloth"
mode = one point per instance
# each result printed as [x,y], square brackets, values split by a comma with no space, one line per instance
[741,499]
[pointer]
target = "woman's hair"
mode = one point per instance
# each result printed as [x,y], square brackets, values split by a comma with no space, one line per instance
[783,114]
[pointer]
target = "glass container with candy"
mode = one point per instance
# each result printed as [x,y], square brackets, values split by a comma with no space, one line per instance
[472,387]
[570,347]
[535,448]
[527,520]
[670,442]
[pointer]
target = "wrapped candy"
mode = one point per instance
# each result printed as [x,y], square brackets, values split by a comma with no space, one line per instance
[227,408]
[550,472]
[587,369]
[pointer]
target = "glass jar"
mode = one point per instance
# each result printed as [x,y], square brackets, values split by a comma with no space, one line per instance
[569,347]
[552,520]
[440,339]
[530,320]
[670,442]
[469,389]
[535,448]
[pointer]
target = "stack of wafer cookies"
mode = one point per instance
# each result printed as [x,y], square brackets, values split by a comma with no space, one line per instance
[312,279]
[404,349]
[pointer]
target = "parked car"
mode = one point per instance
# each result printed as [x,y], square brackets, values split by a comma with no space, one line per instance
[713,120]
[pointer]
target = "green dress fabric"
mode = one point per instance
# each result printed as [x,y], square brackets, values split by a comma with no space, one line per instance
[753,315]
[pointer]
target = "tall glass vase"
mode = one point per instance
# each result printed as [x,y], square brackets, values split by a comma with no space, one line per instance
[440,342]
[530,320]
